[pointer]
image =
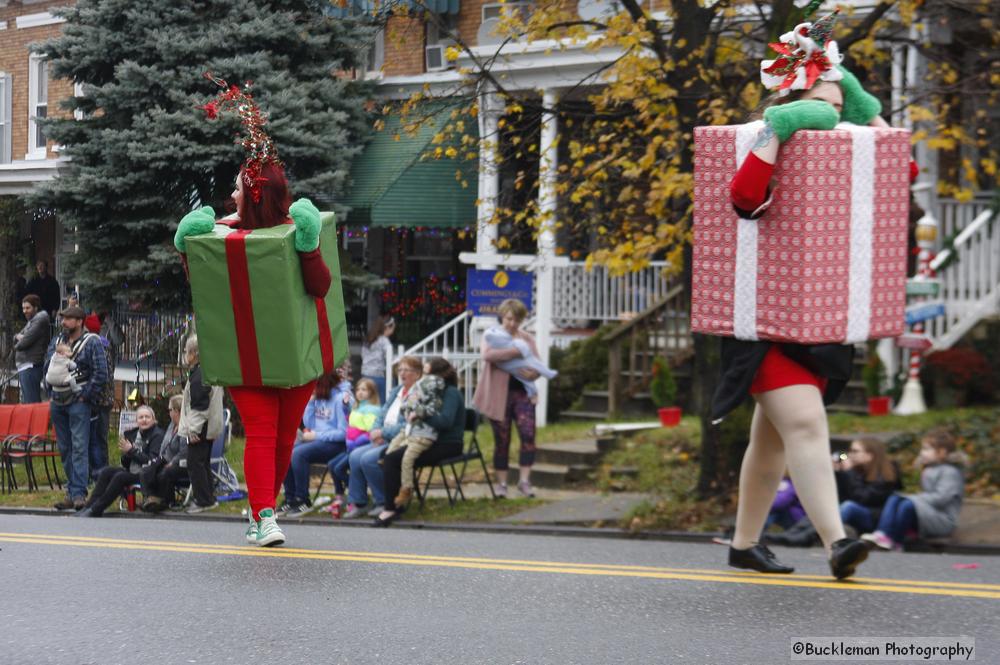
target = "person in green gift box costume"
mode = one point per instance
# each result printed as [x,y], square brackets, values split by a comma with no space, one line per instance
[271,416]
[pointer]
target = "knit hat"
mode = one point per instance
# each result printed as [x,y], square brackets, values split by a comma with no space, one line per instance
[805,55]
[258,145]
[92,323]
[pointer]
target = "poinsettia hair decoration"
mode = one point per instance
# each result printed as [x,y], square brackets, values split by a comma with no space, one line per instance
[805,55]
[258,145]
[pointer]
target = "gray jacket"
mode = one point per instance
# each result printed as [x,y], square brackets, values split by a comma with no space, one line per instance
[34,340]
[201,411]
[940,502]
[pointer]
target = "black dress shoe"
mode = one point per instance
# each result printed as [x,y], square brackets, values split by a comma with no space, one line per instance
[757,558]
[380,523]
[845,555]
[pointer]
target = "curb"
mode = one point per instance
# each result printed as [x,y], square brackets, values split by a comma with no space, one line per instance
[482,527]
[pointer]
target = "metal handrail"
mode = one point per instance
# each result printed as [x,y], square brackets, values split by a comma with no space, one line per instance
[963,237]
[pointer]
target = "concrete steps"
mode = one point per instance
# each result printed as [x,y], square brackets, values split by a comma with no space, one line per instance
[563,463]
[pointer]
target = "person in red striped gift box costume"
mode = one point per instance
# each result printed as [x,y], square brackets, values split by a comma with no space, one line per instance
[271,415]
[791,383]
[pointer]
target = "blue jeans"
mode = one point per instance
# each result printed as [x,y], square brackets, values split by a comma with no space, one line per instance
[380,383]
[898,517]
[856,515]
[98,449]
[30,381]
[338,467]
[365,472]
[304,454]
[72,425]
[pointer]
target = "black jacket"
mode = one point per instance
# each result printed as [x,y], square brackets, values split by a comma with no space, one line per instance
[147,448]
[741,359]
[852,486]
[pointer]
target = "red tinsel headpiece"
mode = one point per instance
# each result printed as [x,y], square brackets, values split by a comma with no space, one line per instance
[258,145]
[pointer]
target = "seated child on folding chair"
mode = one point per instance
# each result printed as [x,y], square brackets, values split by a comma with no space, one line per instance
[359,423]
[423,401]
[200,423]
[498,338]
[159,478]
[60,375]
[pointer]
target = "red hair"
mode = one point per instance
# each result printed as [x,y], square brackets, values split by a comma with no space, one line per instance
[274,200]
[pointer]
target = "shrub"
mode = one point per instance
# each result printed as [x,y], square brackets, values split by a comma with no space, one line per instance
[873,375]
[663,388]
[584,364]
[964,370]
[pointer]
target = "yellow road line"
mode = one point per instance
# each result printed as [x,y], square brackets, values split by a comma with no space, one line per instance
[920,587]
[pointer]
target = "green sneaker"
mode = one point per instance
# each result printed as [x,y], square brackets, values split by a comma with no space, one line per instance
[252,530]
[269,533]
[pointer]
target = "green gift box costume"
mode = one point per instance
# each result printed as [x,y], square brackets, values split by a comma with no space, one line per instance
[257,326]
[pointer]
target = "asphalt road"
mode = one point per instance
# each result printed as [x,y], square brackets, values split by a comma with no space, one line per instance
[145,592]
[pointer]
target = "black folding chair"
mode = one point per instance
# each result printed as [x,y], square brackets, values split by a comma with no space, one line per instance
[472,452]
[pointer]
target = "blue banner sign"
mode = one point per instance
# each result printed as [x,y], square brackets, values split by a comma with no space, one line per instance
[923,311]
[486,289]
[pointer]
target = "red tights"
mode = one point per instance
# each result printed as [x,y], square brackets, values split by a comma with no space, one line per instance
[271,417]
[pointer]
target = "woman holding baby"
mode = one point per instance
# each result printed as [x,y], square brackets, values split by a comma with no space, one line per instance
[505,392]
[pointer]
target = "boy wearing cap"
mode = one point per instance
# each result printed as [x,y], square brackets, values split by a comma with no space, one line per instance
[71,415]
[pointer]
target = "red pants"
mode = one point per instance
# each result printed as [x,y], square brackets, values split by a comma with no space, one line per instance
[271,417]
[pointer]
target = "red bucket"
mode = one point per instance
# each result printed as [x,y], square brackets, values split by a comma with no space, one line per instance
[670,416]
[878,406]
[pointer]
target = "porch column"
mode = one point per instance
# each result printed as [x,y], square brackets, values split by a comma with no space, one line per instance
[547,198]
[489,176]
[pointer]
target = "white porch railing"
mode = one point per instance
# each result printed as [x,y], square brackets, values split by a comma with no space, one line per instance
[970,286]
[594,295]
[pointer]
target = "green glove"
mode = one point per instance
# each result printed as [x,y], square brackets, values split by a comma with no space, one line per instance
[307,225]
[860,107]
[786,119]
[194,223]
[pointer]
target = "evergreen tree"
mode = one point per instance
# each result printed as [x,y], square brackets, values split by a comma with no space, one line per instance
[143,152]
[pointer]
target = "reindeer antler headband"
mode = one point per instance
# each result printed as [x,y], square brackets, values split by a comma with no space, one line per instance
[258,145]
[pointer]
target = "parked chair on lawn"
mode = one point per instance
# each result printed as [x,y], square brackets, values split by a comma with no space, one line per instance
[42,445]
[472,452]
[15,444]
[6,413]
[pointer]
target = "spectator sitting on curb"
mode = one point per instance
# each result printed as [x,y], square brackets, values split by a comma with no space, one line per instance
[933,513]
[139,447]
[160,477]
[200,423]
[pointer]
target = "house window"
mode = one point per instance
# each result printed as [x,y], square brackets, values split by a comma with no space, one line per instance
[495,10]
[38,105]
[5,113]
[439,31]
[375,58]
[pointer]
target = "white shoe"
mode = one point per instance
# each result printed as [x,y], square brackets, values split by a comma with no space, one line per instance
[251,534]
[269,533]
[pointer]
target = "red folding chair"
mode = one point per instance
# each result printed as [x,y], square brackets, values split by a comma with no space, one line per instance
[15,444]
[6,413]
[42,444]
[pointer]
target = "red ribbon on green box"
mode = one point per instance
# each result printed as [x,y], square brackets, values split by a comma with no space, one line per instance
[256,324]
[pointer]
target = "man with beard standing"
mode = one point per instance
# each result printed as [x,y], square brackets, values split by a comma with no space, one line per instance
[71,412]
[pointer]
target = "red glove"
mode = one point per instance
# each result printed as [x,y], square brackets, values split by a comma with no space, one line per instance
[914,171]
